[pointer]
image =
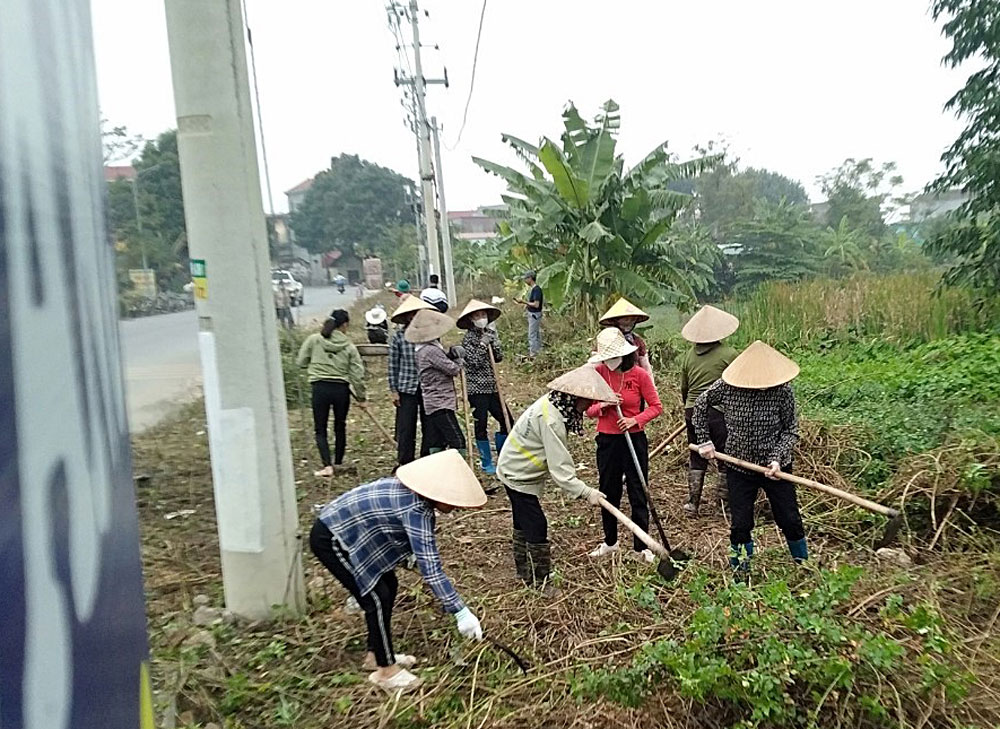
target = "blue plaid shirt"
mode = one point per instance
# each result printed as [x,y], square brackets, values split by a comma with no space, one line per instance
[403,375]
[382,523]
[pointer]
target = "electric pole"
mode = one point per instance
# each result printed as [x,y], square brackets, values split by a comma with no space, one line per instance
[449,264]
[227,238]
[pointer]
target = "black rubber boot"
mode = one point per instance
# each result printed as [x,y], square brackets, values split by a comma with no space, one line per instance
[540,564]
[696,482]
[521,557]
[721,488]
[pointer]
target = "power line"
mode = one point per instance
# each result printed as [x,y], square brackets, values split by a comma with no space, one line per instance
[472,81]
[260,119]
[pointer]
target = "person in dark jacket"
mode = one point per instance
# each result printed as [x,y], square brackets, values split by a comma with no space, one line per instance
[362,535]
[701,366]
[335,373]
[480,342]
[759,406]
[404,382]
[437,370]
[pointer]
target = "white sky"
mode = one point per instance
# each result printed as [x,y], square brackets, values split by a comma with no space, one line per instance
[796,86]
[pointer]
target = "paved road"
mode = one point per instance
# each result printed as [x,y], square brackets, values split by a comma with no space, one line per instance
[162,369]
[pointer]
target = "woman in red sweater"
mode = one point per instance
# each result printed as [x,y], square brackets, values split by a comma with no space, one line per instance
[616,363]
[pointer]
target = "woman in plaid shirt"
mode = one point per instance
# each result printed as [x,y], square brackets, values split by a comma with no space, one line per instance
[362,535]
[484,395]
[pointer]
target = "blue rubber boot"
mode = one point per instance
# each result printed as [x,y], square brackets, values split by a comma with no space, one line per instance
[498,440]
[739,560]
[799,550]
[486,457]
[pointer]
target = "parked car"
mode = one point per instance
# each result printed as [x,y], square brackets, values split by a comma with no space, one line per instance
[295,288]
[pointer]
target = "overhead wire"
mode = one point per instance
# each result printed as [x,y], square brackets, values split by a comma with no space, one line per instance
[260,119]
[472,80]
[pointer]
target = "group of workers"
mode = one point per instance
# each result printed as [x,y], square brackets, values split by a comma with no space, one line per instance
[738,404]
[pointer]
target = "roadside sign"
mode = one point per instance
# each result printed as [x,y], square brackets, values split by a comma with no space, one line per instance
[199,278]
[143,281]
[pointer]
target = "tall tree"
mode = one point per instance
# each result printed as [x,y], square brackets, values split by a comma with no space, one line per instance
[726,194]
[163,239]
[116,142]
[351,206]
[971,162]
[861,192]
[596,230]
[779,242]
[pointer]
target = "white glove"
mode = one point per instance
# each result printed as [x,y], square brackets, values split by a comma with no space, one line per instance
[594,497]
[468,624]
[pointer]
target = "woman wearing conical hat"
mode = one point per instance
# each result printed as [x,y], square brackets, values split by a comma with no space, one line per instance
[626,316]
[404,382]
[615,361]
[537,448]
[759,408]
[701,366]
[484,396]
[363,534]
[437,370]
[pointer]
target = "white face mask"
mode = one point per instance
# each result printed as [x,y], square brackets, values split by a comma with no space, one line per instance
[613,363]
[481,322]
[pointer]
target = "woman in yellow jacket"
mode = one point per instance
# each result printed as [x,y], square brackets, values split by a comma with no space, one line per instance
[335,373]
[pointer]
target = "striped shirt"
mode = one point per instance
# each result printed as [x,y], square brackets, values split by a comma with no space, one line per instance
[380,524]
[403,375]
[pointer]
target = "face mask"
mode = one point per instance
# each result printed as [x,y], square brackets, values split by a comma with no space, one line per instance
[613,363]
[481,322]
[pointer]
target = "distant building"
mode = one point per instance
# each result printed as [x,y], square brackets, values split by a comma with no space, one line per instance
[298,194]
[113,173]
[929,205]
[476,225]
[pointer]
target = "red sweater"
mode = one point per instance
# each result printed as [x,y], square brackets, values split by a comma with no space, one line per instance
[634,386]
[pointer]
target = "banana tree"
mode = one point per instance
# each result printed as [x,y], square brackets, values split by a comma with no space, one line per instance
[596,230]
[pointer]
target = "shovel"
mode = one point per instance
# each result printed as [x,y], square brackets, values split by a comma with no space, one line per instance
[665,568]
[895,516]
[667,441]
[381,428]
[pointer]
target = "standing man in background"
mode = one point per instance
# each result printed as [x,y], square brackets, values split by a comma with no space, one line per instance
[533,313]
[434,296]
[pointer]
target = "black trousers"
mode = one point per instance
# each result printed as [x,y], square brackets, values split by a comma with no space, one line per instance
[717,433]
[614,462]
[327,394]
[411,408]
[528,516]
[377,604]
[743,489]
[442,431]
[482,407]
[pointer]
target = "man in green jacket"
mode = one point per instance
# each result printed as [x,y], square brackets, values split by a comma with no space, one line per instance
[536,448]
[335,373]
[701,366]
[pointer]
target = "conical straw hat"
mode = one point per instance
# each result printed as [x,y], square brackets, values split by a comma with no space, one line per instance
[760,367]
[410,303]
[623,307]
[464,320]
[584,382]
[428,326]
[709,325]
[611,343]
[444,477]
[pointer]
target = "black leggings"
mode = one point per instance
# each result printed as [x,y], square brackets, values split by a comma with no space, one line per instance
[328,394]
[441,430]
[743,489]
[717,433]
[614,462]
[377,604]
[482,407]
[528,516]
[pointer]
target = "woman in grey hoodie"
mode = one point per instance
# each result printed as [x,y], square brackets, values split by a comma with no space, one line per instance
[335,373]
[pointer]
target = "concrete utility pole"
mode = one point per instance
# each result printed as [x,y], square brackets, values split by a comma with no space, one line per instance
[426,173]
[449,263]
[227,237]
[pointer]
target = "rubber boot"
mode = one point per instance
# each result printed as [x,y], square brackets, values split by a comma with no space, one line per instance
[432,451]
[739,561]
[498,440]
[799,550]
[485,457]
[696,482]
[521,557]
[540,564]
[721,487]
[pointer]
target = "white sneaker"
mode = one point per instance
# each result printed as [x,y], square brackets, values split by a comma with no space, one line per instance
[645,555]
[604,550]
[402,681]
[351,606]
[402,660]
